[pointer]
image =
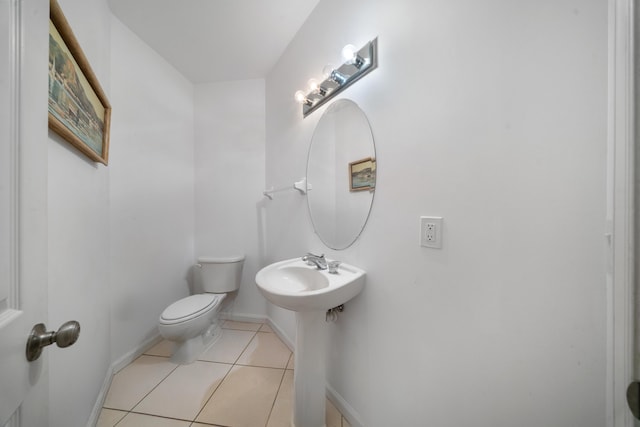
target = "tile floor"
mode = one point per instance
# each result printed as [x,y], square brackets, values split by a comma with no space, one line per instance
[244,380]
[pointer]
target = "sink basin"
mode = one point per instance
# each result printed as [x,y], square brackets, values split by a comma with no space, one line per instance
[294,285]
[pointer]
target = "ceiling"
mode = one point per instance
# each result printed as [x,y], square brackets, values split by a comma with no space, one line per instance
[216,40]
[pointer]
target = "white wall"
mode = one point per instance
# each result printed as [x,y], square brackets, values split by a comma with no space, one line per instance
[152,188]
[230,141]
[493,115]
[120,237]
[78,192]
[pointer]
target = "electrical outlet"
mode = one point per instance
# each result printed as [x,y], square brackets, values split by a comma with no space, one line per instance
[431,232]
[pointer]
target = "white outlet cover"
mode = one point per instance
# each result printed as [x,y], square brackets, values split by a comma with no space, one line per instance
[431,232]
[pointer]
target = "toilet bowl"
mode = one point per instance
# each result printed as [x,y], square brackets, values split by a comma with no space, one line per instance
[191,323]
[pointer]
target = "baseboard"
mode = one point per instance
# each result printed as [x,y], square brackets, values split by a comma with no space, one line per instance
[129,357]
[102,395]
[113,369]
[280,333]
[345,409]
[243,317]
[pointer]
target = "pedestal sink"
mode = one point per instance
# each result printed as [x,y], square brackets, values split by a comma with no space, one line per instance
[296,286]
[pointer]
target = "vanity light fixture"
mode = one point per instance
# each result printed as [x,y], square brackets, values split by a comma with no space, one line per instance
[357,64]
[302,99]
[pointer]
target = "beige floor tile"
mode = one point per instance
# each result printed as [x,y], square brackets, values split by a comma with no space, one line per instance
[265,349]
[266,328]
[333,416]
[283,407]
[282,411]
[242,326]
[345,423]
[292,361]
[229,347]
[133,383]
[109,417]
[139,420]
[244,399]
[164,348]
[185,391]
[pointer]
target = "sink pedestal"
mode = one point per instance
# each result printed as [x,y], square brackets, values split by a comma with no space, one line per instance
[309,370]
[296,286]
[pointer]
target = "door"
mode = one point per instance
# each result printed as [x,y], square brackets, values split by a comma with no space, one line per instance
[23,207]
[620,212]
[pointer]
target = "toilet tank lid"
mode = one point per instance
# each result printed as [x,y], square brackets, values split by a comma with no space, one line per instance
[220,260]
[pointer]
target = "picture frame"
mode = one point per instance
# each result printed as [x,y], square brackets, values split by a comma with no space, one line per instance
[362,174]
[78,108]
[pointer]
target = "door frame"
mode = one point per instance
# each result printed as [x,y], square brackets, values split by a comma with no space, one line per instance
[620,211]
[29,175]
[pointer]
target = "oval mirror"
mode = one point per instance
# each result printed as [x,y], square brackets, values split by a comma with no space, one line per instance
[341,174]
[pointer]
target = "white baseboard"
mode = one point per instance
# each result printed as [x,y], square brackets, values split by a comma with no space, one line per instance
[280,333]
[243,317]
[102,395]
[343,406]
[113,369]
[129,357]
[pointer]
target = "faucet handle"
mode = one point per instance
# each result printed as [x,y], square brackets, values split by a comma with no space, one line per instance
[314,255]
[308,258]
[333,266]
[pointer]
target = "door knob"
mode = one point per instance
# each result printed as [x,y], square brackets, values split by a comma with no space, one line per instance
[633,398]
[39,338]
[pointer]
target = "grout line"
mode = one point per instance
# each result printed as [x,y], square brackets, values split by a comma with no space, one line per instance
[161,416]
[156,386]
[288,361]
[211,397]
[262,367]
[151,355]
[245,348]
[232,365]
[120,420]
[213,361]
[275,399]
[226,375]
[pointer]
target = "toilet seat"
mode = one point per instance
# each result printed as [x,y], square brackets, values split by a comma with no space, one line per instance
[189,308]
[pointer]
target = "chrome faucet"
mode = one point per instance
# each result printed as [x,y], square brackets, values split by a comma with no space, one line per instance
[318,260]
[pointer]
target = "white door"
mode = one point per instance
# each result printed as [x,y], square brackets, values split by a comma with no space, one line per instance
[23,207]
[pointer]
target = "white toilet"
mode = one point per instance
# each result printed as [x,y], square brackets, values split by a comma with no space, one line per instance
[191,323]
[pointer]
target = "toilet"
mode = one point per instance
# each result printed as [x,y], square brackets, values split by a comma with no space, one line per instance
[191,323]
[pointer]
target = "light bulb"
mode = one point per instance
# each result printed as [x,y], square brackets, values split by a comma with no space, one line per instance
[313,85]
[327,70]
[300,96]
[349,52]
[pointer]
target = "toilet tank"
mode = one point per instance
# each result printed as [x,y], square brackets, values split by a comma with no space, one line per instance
[220,275]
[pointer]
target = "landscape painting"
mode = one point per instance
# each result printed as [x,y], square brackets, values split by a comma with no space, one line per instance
[78,109]
[362,174]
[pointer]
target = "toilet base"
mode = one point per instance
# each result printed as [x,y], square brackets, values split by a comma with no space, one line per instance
[188,351]
[211,336]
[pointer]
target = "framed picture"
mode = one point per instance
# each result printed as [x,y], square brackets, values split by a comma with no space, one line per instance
[78,109]
[362,174]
